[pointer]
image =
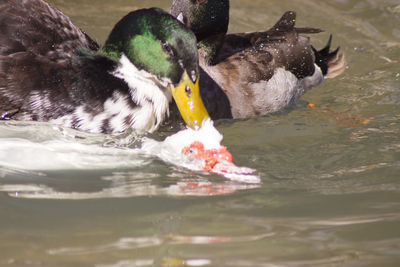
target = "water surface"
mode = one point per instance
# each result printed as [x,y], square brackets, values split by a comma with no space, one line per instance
[330,174]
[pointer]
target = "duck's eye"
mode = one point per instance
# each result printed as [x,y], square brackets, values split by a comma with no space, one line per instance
[168,49]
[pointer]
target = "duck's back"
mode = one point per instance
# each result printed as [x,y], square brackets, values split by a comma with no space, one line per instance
[37,27]
[262,72]
[37,43]
[258,83]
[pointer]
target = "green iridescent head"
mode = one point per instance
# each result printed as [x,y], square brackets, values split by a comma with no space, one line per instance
[156,42]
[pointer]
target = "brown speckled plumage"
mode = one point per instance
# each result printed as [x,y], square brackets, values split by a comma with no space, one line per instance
[259,72]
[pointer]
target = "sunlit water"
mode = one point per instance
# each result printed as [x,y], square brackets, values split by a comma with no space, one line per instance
[330,173]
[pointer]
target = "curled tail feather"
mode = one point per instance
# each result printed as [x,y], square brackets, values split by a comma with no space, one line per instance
[332,63]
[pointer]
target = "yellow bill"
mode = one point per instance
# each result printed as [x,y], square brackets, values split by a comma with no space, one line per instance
[187,98]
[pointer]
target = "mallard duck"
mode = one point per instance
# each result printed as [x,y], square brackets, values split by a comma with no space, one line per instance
[251,74]
[50,70]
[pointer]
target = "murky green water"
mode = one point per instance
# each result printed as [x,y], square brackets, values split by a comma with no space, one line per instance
[330,192]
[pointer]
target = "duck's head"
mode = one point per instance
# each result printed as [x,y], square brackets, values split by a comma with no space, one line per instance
[158,44]
[203,17]
[208,19]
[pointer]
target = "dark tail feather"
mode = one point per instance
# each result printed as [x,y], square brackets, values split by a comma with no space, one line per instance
[287,23]
[308,30]
[332,63]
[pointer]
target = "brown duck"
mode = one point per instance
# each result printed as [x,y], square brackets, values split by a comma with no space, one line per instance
[251,74]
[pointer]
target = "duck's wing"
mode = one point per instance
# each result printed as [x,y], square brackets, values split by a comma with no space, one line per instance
[261,79]
[261,72]
[331,62]
[37,41]
[237,42]
[37,27]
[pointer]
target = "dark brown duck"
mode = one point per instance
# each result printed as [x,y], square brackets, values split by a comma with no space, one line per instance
[251,74]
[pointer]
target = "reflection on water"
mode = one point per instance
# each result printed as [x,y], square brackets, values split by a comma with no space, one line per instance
[128,188]
[342,118]
[66,150]
[277,229]
[127,243]
[329,167]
